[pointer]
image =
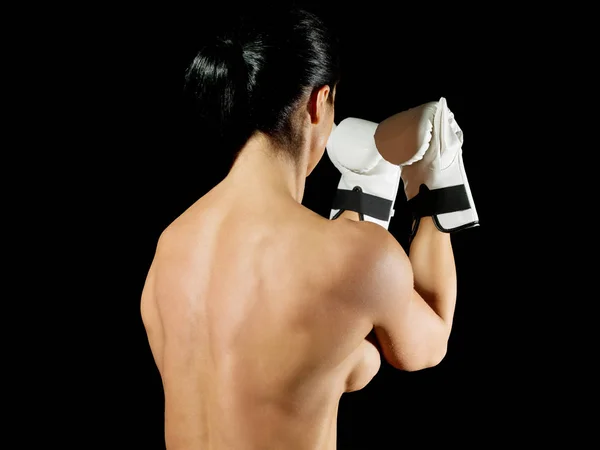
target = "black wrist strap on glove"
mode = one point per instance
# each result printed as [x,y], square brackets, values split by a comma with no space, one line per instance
[431,202]
[439,201]
[358,201]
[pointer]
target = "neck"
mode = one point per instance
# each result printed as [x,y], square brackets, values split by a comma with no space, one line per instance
[259,167]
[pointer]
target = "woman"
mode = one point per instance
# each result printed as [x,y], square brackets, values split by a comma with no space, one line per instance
[258,311]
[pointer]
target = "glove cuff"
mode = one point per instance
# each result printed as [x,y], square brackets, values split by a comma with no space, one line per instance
[371,196]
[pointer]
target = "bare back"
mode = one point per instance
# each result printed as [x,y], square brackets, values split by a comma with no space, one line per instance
[249,316]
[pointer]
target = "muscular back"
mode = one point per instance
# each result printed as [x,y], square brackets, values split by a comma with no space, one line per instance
[253,322]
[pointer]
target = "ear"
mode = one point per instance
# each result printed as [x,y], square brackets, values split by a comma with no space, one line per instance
[317,103]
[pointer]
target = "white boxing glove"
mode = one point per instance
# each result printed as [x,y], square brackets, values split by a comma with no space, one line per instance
[369,183]
[427,143]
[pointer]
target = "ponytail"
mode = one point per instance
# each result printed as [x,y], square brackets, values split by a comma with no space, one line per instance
[218,82]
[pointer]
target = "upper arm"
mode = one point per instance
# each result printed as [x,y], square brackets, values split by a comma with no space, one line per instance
[411,334]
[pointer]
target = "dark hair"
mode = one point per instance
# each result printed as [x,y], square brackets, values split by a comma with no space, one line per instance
[252,78]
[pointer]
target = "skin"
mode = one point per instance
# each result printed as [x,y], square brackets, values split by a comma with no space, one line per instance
[261,314]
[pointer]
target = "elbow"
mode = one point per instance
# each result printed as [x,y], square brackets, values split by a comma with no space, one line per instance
[437,350]
[436,356]
[424,359]
[428,361]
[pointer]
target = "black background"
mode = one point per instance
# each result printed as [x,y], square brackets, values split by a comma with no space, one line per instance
[394,58]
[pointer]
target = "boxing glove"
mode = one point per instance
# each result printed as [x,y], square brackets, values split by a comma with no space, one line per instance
[426,142]
[368,183]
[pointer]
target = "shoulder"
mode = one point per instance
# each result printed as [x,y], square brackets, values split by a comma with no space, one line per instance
[370,242]
[374,263]
[174,251]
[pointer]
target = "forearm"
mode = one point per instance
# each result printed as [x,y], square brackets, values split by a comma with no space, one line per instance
[434,270]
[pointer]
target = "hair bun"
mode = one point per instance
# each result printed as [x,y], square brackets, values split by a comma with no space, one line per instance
[230,49]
